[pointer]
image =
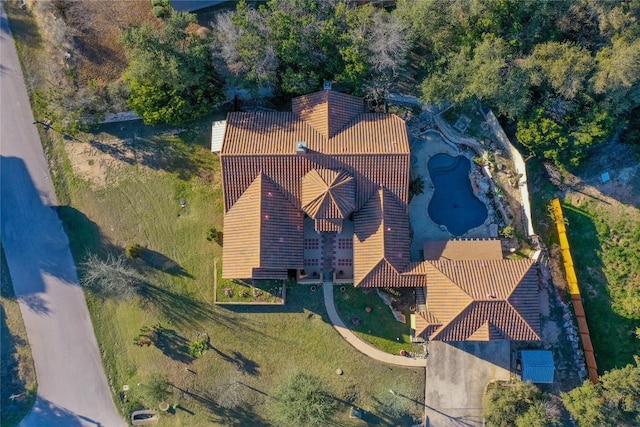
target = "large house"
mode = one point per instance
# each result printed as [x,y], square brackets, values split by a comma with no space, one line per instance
[321,193]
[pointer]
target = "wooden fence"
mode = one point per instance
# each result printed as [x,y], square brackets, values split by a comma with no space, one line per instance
[574,291]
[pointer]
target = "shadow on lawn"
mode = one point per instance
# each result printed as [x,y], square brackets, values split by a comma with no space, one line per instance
[12,384]
[182,310]
[173,345]
[242,363]
[239,416]
[163,263]
[151,146]
[614,346]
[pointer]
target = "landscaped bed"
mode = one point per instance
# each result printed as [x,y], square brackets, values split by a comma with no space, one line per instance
[251,291]
[376,326]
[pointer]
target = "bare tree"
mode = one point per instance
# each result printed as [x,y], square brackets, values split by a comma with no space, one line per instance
[110,277]
[242,50]
[388,43]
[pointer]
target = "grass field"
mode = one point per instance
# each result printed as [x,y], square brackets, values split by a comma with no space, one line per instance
[379,327]
[606,249]
[18,376]
[252,348]
[605,244]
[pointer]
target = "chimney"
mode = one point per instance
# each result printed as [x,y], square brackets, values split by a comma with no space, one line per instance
[301,147]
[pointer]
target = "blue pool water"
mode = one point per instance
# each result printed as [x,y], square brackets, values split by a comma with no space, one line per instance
[453,203]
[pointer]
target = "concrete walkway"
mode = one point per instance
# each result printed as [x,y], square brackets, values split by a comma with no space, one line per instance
[361,346]
[72,387]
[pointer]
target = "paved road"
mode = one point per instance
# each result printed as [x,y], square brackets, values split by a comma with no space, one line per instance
[72,387]
[360,345]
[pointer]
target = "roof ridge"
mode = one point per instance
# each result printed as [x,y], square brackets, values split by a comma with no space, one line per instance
[511,307]
[448,276]
[524,274]
[445,326]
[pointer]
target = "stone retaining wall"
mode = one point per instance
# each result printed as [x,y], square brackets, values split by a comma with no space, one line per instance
[519,165]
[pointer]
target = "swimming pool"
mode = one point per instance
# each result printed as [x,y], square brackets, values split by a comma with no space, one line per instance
[453,203]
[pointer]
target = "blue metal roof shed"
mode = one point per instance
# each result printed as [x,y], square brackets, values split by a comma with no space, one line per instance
[537,366]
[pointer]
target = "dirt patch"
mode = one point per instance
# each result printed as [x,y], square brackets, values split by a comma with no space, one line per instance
[99,166]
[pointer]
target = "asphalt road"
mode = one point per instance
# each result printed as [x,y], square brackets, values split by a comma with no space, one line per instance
[72,387]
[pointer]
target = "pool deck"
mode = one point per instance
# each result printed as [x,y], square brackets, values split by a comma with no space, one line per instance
[423,147]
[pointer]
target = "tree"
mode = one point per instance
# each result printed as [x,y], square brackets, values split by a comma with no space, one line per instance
[156,389]
[301,400]
[520,404]
[109,277]
[621,387]
[170,76]
[488,73]
[561,67]
[535,416]
[387,45]
[617,75]
[587,405]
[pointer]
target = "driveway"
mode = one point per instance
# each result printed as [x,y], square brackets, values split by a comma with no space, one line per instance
[72,386]
[457,374]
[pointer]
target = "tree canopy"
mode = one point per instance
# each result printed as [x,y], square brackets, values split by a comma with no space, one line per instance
[566,72]
[614,401]
[170,76]
[291,46]
[520,404]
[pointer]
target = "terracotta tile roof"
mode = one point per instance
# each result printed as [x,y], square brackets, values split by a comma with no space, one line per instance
[352,132]
[463,249]
[381,242]
[327,111]
[480,300]
[425,324]
[485,279]
[262,231]
[350,155]
[328,195]
[369,171]
[487,320]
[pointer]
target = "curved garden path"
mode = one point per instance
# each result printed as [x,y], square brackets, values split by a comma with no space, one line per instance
[374,353]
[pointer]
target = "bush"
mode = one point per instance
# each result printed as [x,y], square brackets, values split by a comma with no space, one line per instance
[133,250]
[508,232]
[159,11]
[198,347]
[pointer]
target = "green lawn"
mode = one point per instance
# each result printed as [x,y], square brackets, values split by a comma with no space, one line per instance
[378,327]
[18,376]
[252,348]
[605,244]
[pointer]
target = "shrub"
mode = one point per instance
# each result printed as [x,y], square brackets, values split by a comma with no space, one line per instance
[416,187]
[508,232]
[198,347]
[159,11]
[301,400]
[133,250]
[148,335]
